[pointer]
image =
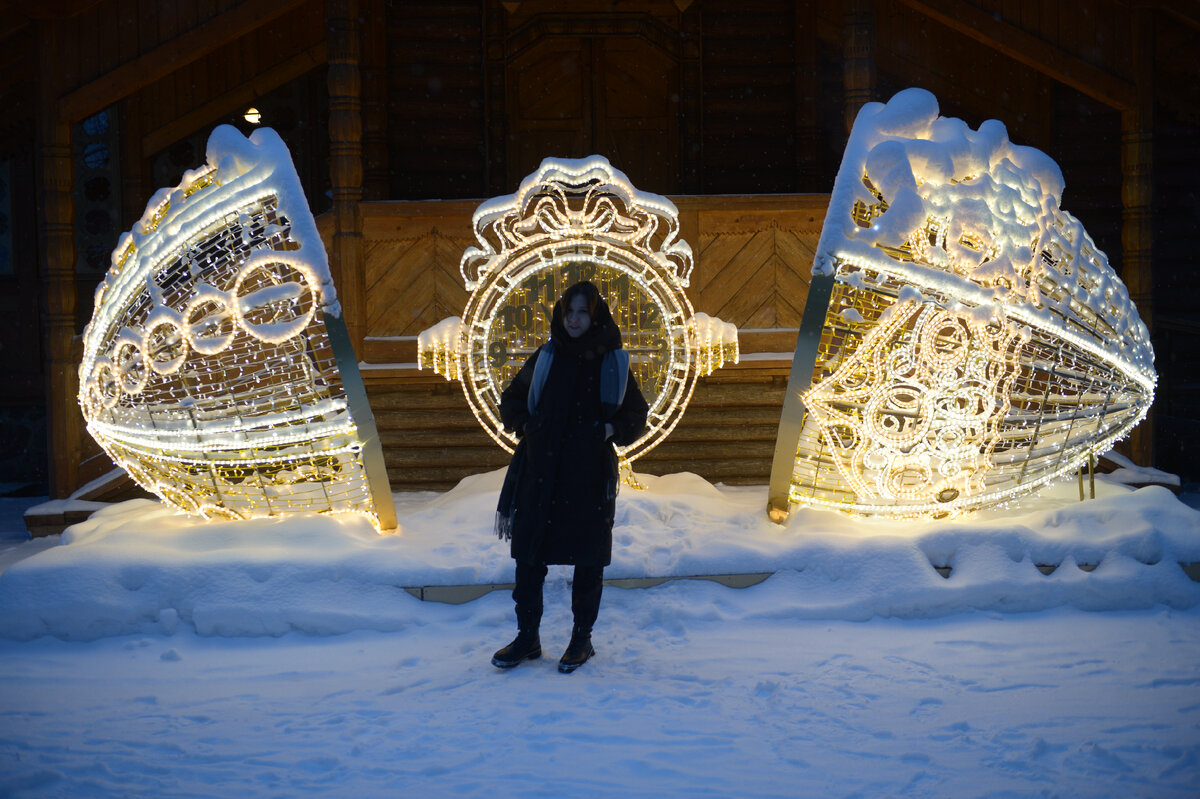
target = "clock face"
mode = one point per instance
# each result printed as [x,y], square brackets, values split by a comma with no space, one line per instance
[509,318]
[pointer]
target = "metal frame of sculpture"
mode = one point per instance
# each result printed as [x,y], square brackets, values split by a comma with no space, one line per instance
[964,341]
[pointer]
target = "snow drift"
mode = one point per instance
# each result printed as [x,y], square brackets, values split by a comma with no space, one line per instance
[139,567]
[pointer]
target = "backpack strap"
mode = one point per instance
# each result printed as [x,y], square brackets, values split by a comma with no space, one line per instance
[614,378]
[541,370]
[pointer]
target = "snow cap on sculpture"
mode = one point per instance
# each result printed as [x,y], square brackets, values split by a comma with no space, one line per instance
[638,218]
[928,190]
[975,343]
[216,368]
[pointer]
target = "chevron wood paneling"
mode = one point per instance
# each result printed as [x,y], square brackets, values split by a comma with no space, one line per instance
[753,266]
[411,253]
[753,257]
[414,283]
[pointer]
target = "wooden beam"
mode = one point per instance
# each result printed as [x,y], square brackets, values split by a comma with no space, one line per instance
[170,56]
[231,101]
[373,70]
[1185,11]
[48,10]
[1030,50]
[495,96]
[12,24]
[807,88]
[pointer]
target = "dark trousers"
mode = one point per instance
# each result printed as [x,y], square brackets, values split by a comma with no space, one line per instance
[585,594]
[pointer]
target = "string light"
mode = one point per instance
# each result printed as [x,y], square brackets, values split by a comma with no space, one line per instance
[571,220]
[211,370]
[976,344]
[715,342]
[437,348]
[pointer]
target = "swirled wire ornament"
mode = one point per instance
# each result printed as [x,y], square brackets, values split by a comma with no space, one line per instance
[216,369]
[964,340]
[576,219]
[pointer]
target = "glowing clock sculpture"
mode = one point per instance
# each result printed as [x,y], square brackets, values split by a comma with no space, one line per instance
[217,370]
[964,341]
[571,220]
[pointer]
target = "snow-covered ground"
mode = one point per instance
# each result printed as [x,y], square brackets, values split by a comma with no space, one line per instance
[146,654]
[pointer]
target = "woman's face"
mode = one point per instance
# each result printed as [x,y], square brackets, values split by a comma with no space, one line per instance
[577,320]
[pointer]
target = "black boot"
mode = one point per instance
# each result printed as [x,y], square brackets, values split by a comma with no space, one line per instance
[527,594]
[578,651]
[526,646]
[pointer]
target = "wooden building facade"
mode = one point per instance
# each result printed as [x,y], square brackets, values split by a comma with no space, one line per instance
[402,115]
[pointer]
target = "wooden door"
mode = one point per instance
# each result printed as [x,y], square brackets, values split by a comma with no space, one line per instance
[616,96]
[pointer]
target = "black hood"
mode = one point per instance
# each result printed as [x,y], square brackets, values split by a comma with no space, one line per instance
[602,336]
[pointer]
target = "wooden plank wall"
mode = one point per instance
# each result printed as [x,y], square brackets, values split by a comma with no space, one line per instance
[435,125]
[750,89]
[753,258]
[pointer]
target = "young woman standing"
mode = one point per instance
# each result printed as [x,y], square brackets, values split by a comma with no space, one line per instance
[573,400]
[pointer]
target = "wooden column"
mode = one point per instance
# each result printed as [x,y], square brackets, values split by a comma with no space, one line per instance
[691,109]
[376,184]
[346,164]
[808,130]
[64,423]
[858,28]
[1137,198]
[495,151]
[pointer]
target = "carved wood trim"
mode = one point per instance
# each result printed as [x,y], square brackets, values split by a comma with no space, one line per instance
[56,230]
[346,163]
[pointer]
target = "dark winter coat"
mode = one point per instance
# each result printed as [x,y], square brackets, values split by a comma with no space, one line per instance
[565,497]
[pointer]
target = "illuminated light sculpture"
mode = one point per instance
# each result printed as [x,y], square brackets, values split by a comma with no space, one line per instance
[571,220]
[964,341]
[217,370]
